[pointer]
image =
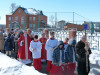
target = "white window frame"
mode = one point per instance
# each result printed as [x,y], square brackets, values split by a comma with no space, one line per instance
[22,20]
[19,11]
[9,18]
[16,18]
[30,25]
[12,18]
[30,18]
[33,26]
[33,18]
[9,25]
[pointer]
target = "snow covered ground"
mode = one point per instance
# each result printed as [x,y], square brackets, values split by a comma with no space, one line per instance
[10,66]
[95,57]
[95,62]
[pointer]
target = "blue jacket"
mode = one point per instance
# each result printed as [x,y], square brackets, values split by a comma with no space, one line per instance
[56,53]
[69,51]
[8,46]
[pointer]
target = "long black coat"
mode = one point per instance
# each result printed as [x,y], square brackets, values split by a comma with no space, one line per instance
[81,57]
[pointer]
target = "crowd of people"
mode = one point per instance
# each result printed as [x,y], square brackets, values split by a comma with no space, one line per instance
[61,56]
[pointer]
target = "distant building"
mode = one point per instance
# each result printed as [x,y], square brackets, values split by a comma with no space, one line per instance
[96,26]
[26,18]
[3,26]
[60,24]
[70,25]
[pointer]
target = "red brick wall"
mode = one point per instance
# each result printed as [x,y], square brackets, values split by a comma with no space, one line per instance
[79,27]
[27,20]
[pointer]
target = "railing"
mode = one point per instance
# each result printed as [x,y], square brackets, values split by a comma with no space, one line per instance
[61,34]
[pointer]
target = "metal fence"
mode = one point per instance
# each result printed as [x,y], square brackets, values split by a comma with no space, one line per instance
[61,34]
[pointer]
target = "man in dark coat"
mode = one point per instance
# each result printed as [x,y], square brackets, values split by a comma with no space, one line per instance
[83,51]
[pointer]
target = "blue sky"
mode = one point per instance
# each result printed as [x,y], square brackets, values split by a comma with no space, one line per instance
[87,8]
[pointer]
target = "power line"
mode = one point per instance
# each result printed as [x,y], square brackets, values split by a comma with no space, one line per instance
[72,14]
[82,16]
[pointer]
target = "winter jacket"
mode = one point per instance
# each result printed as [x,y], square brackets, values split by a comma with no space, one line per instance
[8,46]
[70,51]
[56,53]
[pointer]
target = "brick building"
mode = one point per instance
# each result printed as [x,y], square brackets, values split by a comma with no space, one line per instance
[70,25]
[26,18]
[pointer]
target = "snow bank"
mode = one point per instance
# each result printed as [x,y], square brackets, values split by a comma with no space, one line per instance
[95,57]
[94,71]
[10,66]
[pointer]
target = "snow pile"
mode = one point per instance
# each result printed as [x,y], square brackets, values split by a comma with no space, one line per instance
[10,66]
[95,57]
[32,11]
[94,71]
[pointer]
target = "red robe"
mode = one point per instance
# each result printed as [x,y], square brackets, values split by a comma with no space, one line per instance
[22,52]
[37,64]
[43,51]
[59,70]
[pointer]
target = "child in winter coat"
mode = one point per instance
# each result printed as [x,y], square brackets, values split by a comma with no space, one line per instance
[58,60]
[8,46]
[35,48]
[70,55]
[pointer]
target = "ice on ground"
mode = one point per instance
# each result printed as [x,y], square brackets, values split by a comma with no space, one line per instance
[10,66]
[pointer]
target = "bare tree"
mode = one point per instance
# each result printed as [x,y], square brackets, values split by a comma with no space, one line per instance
[13,7]
[52,20]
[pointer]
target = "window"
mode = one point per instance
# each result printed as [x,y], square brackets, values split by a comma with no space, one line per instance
[30,25]
[33,26]
[30,18]
[9,25]
[16,18]
[9,18]
[19,11]
[12,18]
[33,18]
[22,20]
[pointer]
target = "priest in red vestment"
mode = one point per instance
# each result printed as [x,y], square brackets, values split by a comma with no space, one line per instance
[43,51]
[24,54]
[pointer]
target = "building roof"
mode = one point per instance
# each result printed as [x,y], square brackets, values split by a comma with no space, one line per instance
[30,11]
[61,21]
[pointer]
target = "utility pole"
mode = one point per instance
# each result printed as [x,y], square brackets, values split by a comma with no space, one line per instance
[55,19]
[73,19]
[38,22]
